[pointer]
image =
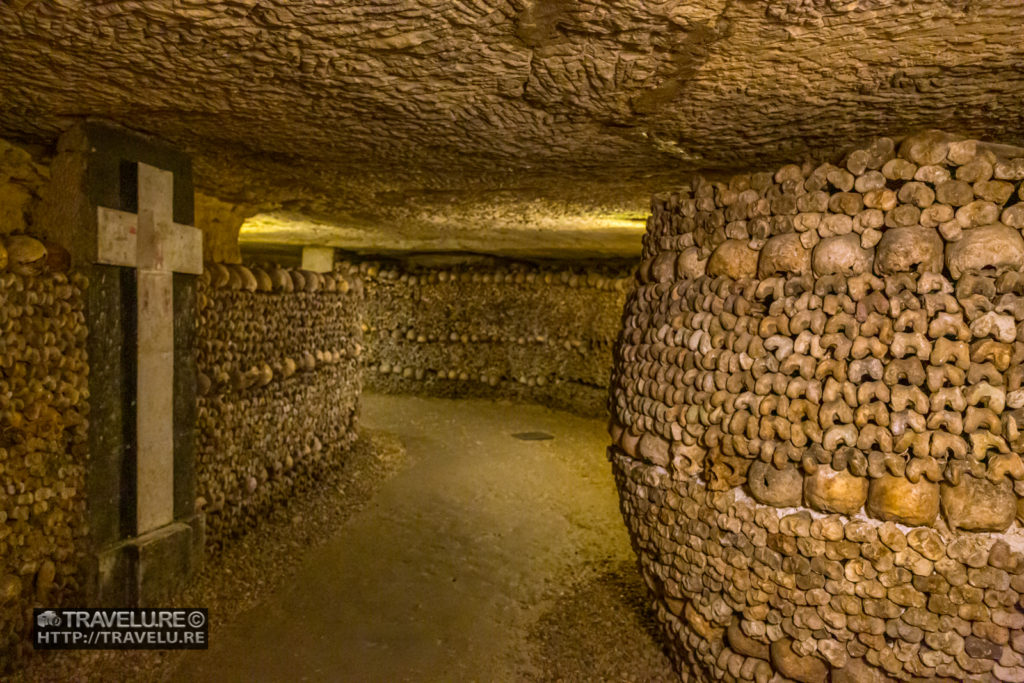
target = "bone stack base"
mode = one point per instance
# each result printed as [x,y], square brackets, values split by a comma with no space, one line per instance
[816,418]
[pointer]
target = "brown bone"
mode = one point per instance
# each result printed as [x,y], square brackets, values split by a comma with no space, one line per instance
[949,325]
[979,505]
[992,246]
[897,499]
[829,490]
[783,254]
[771,486]
[909,369]
[841,255]
[946,350]
[916,343]
[909,249]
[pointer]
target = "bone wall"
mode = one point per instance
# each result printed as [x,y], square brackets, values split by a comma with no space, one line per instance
[817,403]
[279,378]
[43,423]
[533,333]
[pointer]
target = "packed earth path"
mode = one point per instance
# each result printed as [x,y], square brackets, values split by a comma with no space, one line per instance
[498,554]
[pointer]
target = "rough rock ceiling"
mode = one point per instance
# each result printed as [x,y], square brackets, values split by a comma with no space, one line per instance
[440,119]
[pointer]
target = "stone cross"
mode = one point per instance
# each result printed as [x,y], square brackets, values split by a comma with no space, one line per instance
[157,247]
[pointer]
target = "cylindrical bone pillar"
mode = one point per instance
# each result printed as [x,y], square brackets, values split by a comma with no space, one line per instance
[817,411]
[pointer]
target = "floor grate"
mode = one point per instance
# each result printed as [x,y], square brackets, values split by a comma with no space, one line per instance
[533,436]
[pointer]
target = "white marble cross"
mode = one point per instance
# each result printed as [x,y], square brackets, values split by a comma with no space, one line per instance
[157,247]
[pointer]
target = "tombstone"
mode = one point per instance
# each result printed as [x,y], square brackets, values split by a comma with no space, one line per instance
[122,203]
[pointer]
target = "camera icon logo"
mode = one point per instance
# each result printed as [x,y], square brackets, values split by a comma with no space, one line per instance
[47,618]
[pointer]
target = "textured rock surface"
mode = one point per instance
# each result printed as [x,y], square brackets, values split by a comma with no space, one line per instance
[220,223]
[541,334]
[279,378]
[736,401]
[442,117]
[21,183]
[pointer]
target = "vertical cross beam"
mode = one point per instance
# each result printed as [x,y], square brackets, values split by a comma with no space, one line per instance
[154,378]
[156,247]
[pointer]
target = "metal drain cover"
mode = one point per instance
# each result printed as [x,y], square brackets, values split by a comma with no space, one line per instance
[533,436]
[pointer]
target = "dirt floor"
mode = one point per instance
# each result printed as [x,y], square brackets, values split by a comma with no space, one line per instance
[488,546]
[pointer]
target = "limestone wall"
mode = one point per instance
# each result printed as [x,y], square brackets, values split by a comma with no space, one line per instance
[533,333]
[22,180]
[278,359]
[220,222]
[43,422]
[817,409]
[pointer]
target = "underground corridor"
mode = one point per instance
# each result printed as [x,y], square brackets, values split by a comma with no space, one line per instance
[512,340]
[505,550]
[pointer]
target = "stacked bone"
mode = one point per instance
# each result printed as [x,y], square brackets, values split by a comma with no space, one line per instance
[847,339]
[279,382]
[538,334]
[43,425]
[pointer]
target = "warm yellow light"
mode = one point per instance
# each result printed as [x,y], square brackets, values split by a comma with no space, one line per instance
[540,234]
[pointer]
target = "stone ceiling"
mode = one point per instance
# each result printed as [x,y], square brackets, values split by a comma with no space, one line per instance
[436,123]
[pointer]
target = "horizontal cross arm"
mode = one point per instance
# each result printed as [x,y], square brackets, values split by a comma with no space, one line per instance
[179,247]
[118,237]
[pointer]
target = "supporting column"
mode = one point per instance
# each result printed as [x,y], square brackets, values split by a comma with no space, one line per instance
[121,201]
[318,259]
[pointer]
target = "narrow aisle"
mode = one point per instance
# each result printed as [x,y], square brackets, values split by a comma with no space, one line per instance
[441,577]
